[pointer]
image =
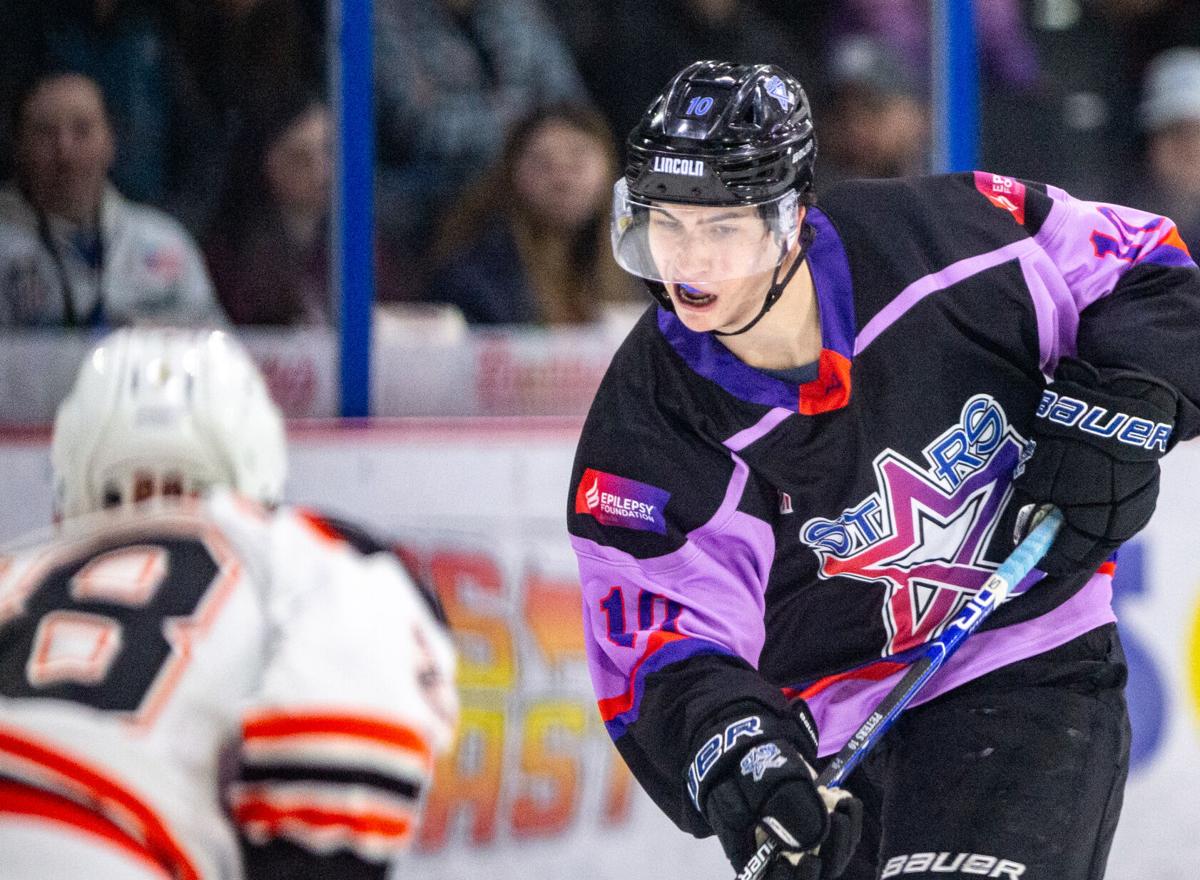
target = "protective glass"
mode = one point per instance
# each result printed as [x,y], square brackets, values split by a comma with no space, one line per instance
[693,244]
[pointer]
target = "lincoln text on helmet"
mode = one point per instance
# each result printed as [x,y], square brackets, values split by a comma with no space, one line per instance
[667,165]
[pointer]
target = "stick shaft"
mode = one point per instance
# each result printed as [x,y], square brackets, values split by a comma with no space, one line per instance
[994,593]
[991,596]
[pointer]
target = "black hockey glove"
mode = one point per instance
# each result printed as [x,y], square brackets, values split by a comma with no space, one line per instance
[1098,437]
[752,777]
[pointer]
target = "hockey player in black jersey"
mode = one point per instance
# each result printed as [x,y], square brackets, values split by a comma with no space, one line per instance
[816,447]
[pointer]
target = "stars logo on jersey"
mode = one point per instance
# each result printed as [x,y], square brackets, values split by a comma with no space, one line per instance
[923,535]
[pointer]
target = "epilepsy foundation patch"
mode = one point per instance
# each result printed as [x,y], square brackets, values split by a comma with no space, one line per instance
[617,501]
[1003,192]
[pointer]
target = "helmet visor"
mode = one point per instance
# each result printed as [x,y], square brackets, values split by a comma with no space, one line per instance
[692,244]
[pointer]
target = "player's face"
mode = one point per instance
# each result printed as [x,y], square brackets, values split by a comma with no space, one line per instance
[712,262]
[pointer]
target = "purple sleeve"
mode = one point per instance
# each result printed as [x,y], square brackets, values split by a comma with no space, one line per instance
[641,615]
[1090,251]
[675,546]
[1117,287]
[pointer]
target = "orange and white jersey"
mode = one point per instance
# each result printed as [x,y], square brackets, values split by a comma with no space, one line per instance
[172,675]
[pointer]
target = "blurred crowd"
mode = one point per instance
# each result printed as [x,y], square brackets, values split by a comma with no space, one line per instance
[171,160]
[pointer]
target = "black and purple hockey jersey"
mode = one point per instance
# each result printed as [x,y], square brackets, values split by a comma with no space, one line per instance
[745,541]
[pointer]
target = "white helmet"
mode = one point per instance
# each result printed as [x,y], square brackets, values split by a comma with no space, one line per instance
[172,412]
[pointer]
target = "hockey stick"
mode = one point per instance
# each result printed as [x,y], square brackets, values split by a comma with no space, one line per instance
[994,592]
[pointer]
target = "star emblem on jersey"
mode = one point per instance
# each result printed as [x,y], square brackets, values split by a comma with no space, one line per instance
[760,759]
[923,534]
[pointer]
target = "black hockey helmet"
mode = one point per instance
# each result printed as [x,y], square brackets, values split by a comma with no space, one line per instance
[723,133]
[720,134]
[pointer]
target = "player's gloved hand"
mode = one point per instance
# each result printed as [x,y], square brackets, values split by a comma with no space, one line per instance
[752,777]
[1099,434]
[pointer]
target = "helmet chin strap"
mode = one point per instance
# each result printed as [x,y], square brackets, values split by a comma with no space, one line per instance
[778,285]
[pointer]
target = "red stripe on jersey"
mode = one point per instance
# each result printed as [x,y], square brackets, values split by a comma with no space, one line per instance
[1175,240]
[874,672]
[611,707]
[1108,568]
[255,811]
[23,800]
[279,725]
[831,389]
[319,526]
[95,785]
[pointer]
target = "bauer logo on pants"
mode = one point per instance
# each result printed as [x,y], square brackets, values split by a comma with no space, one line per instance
[953,864]
[618,501]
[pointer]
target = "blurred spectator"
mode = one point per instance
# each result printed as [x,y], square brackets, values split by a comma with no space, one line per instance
[451,77]
[1170,114]
[73,251]
[879,118]
[127,47]
[1005,48]
[529,242]
[648,41]
[268,247]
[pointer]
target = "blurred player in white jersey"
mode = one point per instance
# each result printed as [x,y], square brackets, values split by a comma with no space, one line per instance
[194,684]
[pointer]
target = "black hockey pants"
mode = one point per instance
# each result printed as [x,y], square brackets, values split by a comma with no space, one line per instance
[1019,774]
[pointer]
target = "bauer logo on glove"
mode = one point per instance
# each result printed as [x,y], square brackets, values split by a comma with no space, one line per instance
[1097,439]
[1099,421]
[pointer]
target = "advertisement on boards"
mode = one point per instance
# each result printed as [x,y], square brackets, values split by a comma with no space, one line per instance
[534,788]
